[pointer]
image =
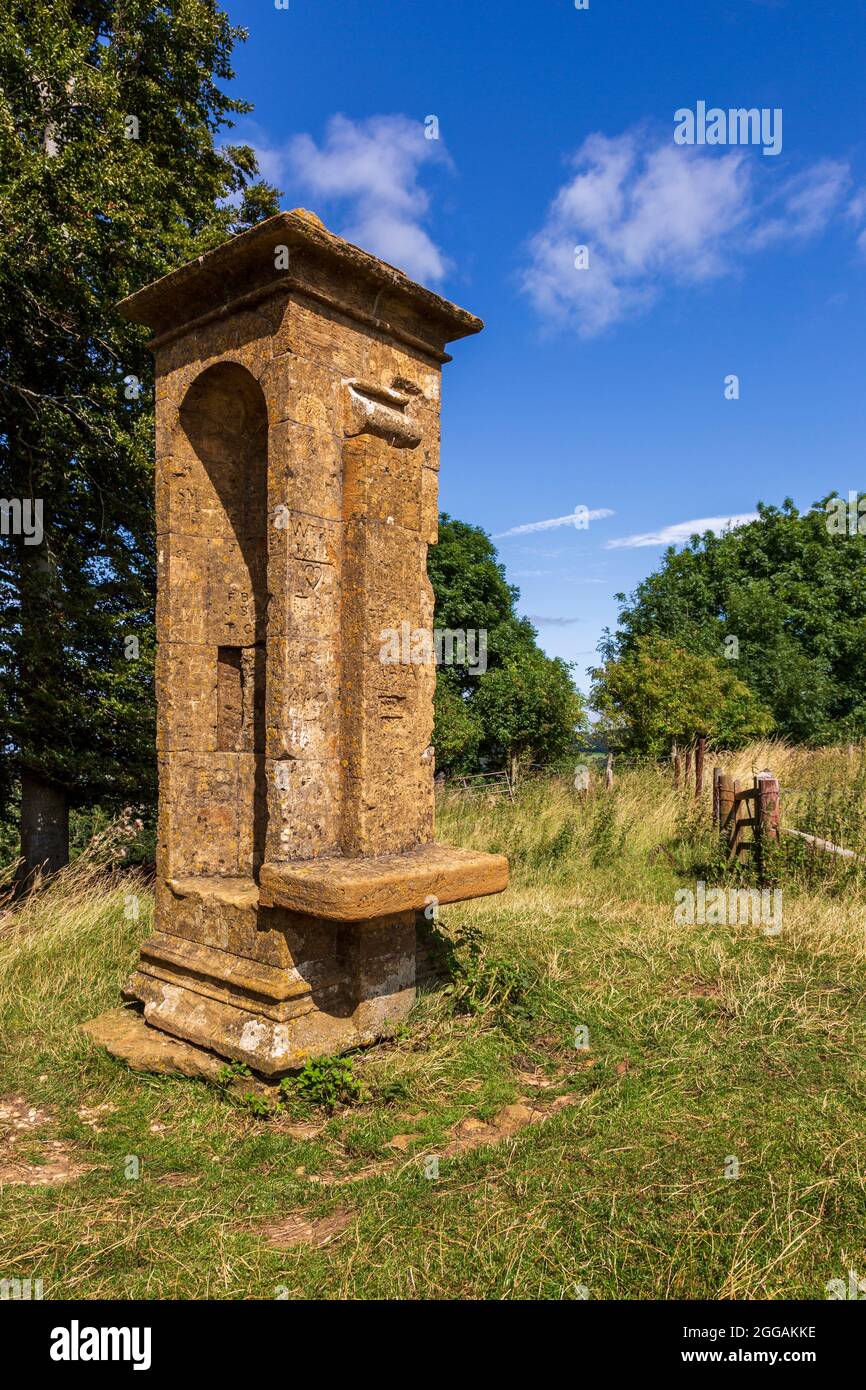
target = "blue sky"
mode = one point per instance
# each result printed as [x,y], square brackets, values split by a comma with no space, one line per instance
[602,387]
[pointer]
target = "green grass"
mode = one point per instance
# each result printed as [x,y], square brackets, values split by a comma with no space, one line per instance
[705,1043]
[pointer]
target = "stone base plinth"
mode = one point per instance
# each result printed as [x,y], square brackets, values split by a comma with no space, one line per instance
[322,957]
[271,987]
[126,1034]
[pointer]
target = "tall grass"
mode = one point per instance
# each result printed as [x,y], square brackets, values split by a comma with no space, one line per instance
[704,1041]
[66,946]
[606,852]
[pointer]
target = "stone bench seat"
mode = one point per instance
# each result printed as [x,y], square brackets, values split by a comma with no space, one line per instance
[345,889]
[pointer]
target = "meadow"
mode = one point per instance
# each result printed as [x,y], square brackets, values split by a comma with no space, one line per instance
[601,1102]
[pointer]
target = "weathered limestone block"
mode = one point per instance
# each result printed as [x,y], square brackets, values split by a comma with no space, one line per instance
[355,889]
[302,391]
[304,578]
[298,394]
[302,717]
[224,913]
[186,717]
[304,796]
[181,615]
[306,475]
[199,830]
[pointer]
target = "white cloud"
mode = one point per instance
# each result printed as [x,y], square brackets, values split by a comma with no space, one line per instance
[551,525]
[540,620]
[368,171]
[654,214]
[680,531]
[567,575]
[806,204]
[856,209]
[856,213]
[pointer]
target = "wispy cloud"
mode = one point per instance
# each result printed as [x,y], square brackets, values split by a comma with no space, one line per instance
[572,519]
[681,531]
[541,621]
[805,205]
[368,172]
[856,212]
[567,575]
[653,214]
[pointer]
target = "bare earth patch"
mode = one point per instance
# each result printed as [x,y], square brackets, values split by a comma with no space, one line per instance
[18,1120]
[18,1116]
[93,1115]
[467,1134]
[300,1229]
[470,1133]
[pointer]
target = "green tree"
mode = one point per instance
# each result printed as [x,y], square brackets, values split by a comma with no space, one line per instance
[457,730]
[523,705]
[529,709]
[785,597]
[658,692]
[111,176]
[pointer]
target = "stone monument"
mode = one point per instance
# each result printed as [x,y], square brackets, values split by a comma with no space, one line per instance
[297,419]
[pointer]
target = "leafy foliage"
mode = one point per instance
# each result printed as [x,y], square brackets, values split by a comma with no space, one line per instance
[484,983]
[525,704]
[657,691]
[792,591]
[232,1071]
[87,215]
[326,1081]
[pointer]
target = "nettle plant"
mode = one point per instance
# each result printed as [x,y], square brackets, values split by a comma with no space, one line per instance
[327,1082]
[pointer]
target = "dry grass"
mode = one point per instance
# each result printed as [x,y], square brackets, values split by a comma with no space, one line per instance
[705,1042]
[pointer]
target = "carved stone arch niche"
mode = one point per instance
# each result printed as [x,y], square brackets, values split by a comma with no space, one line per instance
[218,499]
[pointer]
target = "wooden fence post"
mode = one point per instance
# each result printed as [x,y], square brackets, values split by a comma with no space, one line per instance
[767,811]
[699,766]
[766,815]
[513,770]
[726,805]
[608,772]
[717,774]
[736,817]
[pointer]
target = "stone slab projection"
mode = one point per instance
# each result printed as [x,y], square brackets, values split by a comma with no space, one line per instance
[297,419]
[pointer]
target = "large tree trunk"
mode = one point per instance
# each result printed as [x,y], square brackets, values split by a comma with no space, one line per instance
[39,696]
[44,826]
